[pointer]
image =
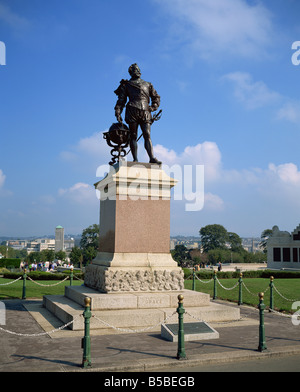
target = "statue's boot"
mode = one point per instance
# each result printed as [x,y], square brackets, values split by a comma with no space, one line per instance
[155,160]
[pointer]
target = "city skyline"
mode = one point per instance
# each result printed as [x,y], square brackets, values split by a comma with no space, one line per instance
[227,73]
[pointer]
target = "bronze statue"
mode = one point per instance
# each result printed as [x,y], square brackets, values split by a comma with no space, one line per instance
[138,110]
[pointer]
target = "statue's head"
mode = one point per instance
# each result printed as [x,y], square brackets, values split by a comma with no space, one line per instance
[134,71]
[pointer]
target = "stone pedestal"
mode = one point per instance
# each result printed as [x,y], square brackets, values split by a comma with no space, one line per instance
[133,282]
[134,240]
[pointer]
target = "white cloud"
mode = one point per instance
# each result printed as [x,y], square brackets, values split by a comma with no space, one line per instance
[93,146]
[206,153]
[252,94]
[221,27]
[87,154]
[11,18]
[2,178]
[80,193]
[256,94]
[288,173]
[290,111]
[47,199]
[213,202]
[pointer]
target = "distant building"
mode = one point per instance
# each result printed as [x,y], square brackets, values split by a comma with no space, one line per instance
[172,244]
[40,244]
[17,244]
[69,244]
[59,238]
[283,249]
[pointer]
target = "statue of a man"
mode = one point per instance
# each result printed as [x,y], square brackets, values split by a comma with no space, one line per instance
[138,109]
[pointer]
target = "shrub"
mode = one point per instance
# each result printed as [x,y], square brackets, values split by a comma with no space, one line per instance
[208,274]
[41,275]
[10,263]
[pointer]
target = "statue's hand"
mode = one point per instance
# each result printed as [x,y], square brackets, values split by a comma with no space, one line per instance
[153,107]
[118,115]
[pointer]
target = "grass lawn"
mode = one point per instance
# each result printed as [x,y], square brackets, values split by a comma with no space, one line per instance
[34,290]
[288,288]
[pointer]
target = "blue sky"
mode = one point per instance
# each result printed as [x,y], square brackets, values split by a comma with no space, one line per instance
[229,93]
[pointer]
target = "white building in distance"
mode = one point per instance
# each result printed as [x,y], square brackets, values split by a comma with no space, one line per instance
[283,249]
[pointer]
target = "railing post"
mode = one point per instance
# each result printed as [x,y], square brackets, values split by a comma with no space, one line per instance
[215,285]
[86,340]
[271,293]
[180,310]
[24,285]
[193,287]
[262,342]
[71,277]
[240,289]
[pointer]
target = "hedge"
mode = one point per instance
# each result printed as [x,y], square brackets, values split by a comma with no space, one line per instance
[41,275]
[10,263]
[208,274]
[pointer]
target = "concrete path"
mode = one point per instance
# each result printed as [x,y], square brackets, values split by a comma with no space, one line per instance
[134,352]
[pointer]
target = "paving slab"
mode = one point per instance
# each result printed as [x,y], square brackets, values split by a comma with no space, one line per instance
[30,346]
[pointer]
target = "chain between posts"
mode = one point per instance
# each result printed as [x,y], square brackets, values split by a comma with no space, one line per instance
[6,284]
[40,333]
[47,285]
[241,284]
[25,276]
[135,330]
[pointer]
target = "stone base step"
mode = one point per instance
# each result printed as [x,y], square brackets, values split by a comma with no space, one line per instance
[136,320]
[136,300]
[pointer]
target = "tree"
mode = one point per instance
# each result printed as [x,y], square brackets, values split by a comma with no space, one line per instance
[264,238]
[180,254]
[235,242]
[33,257]
[7,251]
[89,253]
[61,255]
[89,243]
[213,237]
[90,237]
[76,256]
[47,255]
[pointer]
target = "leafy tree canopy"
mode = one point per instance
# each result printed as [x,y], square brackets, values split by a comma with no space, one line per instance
[264,238]
[213,237]
[90,237]
[89,243]
[216,237]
